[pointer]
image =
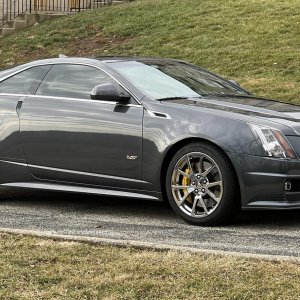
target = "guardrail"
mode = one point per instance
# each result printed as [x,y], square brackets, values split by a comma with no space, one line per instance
[11,9]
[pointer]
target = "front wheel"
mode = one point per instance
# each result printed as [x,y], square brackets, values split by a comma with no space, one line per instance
[201,185]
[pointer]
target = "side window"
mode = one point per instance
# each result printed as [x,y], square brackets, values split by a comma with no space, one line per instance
[72,81]
[25,82]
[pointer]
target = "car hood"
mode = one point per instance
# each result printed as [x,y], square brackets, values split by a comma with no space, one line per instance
[272,110]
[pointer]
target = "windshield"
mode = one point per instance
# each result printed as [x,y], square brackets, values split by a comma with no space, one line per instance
[170,79]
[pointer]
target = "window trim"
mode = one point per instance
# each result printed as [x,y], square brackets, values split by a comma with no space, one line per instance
[73,99]
[72,63]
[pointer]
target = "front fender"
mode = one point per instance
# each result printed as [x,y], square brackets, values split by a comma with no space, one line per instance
[163,133]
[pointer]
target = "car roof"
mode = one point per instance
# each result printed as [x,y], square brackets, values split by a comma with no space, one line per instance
[134,58]
[106,59]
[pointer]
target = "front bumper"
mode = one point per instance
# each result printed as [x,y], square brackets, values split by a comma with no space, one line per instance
[262,182]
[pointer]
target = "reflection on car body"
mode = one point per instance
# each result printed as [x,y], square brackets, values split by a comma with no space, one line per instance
[148,128]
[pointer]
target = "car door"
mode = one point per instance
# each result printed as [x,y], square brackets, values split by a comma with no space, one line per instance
[67,136]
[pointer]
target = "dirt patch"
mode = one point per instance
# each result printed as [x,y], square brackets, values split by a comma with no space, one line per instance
[98,44]
[39,53]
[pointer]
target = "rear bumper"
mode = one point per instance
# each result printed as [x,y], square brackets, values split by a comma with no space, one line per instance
[262,182]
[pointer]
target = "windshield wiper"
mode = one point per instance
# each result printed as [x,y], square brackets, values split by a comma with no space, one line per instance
[172,98]
[226,95]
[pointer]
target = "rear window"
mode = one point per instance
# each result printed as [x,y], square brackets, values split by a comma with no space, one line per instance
[25,82]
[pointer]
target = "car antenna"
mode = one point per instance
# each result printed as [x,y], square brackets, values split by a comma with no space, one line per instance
[62,56]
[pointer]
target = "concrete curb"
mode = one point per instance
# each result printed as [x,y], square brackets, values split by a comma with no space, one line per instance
[146,245]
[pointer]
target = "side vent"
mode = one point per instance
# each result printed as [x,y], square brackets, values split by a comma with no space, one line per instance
[157,114]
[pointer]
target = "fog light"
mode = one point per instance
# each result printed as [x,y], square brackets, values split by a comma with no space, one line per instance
[288,186]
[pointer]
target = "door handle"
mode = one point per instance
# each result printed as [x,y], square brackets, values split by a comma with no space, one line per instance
[18,108]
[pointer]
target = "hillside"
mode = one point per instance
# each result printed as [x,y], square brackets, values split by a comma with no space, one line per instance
[254,42]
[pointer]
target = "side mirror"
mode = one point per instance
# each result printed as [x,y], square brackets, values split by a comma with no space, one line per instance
[109,92]
[233,82]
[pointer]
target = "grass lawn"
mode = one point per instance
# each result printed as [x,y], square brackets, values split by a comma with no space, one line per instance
[36,268]
[254,42]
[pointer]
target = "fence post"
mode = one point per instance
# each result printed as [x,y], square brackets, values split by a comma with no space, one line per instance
[30,6]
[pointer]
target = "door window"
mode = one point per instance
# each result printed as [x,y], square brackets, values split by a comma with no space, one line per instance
[72,81]
[25,82]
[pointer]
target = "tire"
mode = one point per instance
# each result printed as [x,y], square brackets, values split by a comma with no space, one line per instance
[201,185]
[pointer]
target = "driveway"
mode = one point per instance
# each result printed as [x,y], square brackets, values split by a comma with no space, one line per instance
[255,232]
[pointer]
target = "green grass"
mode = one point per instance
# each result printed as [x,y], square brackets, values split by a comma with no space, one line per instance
[36,268]
[255,42]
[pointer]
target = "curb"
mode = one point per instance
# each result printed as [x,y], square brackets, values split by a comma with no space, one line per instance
[146,245]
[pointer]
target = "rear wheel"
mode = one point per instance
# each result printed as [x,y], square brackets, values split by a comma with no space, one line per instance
[201,185]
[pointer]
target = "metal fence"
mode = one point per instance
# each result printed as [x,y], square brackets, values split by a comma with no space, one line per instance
[10,9]
[67,5]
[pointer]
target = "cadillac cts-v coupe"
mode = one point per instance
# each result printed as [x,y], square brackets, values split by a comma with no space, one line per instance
[148,128]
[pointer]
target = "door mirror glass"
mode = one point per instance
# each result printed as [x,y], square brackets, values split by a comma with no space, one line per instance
[108,92]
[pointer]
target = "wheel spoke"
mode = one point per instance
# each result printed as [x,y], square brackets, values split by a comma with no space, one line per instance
[194,206]
[200,164]
[212,184]
[182,173]
[180,187]
[206,172]
[203,205]
[184,198]
[217,199]
[189,163]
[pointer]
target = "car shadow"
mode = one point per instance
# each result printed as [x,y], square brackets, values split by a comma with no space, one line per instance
[280,218]
[63,201]
[115,206]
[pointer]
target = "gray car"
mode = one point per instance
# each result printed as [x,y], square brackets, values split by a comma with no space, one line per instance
[148,128]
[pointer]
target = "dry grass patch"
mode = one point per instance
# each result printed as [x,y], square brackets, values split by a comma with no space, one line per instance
[35,268]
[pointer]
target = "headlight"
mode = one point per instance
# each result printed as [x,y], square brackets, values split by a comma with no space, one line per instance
[273,141]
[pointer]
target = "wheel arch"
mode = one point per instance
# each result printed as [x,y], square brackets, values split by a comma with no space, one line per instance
[178,145]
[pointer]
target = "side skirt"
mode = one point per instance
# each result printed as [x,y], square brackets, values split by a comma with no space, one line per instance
[84,190]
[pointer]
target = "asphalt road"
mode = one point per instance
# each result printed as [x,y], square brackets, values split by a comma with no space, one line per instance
[258,232]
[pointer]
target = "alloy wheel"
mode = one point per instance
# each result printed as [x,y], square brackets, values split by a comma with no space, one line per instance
[197,184]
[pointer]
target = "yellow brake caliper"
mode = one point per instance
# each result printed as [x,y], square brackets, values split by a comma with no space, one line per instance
[187,181]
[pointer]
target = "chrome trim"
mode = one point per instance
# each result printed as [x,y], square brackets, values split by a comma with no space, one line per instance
[72,63]
[14,163]
[72,99]
[74,172]
[77,189]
